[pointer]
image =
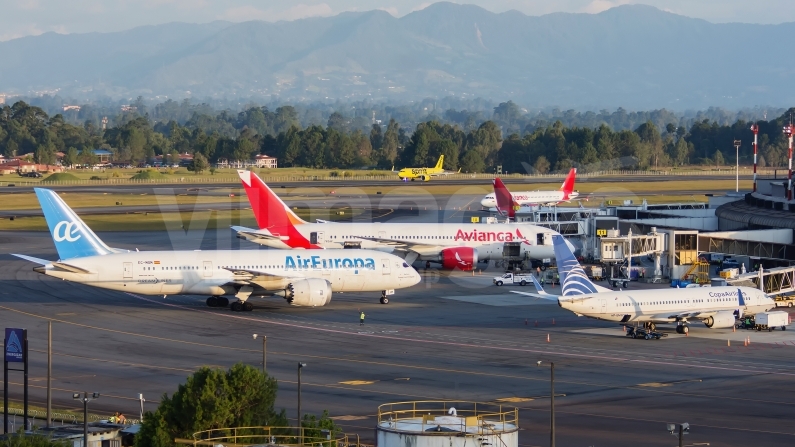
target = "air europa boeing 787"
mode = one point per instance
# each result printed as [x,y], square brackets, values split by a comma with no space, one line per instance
[453,245]
[305,278]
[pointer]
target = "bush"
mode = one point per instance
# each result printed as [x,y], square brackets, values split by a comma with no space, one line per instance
[149,174]
[334,174]
[96,177]
[115,174]
[60,177]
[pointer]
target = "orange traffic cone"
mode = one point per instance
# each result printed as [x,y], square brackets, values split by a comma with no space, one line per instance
[547,338]
[728,342]
[749,341]
[745,342]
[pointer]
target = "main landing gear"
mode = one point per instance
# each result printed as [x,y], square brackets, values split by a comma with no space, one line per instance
[242,306]
[682,329]
[217,301]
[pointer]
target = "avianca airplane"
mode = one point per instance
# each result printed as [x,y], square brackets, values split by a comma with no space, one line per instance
[305,278]
[424,174]
[716,307]
[566,193]
[455,246]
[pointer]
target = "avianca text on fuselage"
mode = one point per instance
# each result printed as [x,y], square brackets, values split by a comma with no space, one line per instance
[487,236]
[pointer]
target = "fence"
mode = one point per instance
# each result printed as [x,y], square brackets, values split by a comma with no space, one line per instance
[387,177]
[63,418]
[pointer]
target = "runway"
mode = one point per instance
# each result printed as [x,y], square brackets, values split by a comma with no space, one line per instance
[450,337]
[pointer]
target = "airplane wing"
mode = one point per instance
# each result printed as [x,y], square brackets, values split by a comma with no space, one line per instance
[264,280]
[56,264]
[417,247]
[257,236]
[697,315]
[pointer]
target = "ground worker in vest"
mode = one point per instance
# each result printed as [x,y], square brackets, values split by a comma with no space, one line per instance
[361,318]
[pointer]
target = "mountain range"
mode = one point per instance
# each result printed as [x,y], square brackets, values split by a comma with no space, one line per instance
[630,56]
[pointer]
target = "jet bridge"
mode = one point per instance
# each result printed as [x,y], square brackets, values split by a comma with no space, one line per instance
[615,248]
[775,281]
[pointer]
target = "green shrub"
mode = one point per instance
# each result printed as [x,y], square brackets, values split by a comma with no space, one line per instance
[148,174]
[59,177]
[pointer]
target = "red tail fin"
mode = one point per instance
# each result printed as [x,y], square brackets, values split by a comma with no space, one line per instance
[568,184]
[505,203]
[271,213]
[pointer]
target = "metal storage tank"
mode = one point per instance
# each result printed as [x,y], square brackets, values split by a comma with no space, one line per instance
[447,424]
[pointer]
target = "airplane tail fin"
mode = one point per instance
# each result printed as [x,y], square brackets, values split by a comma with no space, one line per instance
[72,237]
[268,208]
[740,297]
[568,183]
[440,163]
[506,206]
[573,279]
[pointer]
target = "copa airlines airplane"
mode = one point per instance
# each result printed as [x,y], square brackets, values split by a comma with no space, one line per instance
[566,193]
[305,278]
[716,307]
[425,174]
[455,246]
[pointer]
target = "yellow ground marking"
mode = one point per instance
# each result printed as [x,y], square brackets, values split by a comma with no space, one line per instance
[349,418]
[514,399]
[358,382]
[654,384]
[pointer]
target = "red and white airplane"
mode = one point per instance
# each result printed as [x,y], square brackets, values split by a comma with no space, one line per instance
[453,245]
[566,193]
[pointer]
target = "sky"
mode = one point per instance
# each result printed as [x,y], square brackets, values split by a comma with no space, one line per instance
[19,18]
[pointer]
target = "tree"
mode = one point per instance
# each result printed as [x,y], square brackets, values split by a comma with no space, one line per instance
[70,157]
[88,157]
[376,137]
[472,161]
[337,122]
[719,161]
[542,165]
[243,396]
[198,164]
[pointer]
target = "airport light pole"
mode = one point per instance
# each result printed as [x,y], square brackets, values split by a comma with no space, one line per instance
[300,366]
[264,350]
[684,429]
[737,144]
[551,402]
[86,399]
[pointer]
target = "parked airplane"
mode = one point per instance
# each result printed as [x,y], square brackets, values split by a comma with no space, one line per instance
[716,307]
[454,245]
[305,278]
[566,193]
[424,174]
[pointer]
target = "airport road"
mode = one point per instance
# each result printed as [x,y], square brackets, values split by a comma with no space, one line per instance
[456,338]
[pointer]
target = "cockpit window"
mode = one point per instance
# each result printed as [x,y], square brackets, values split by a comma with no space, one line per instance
[405,265]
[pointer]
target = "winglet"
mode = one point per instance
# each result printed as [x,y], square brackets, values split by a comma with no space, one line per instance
[539,287]
[740,297]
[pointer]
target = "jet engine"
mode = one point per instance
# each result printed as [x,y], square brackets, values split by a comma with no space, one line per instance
[460,258]
[720,320]
[312,292]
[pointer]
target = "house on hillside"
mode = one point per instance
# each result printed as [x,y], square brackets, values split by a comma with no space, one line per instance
[260,161]
[103,155]
[21,167]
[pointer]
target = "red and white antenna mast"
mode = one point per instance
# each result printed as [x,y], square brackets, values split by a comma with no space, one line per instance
[755,130]
[788,131]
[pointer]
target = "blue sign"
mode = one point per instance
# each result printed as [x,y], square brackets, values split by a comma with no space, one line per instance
[14,346]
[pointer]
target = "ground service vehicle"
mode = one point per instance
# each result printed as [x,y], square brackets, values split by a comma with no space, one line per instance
[511,278]
[771,320]
[645,333]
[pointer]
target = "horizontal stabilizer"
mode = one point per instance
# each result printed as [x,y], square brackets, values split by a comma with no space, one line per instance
[32,259]
[71,268]
[542,295]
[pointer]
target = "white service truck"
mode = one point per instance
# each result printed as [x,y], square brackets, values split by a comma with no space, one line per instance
[511,278]
[771,320]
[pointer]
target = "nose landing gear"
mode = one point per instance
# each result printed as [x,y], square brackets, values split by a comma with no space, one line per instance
[385,294]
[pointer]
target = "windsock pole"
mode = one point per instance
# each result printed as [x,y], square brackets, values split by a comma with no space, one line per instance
[755,130]
[788,131]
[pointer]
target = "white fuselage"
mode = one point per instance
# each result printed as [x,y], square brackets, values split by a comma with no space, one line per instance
[656,305]
[529,198]
[427,239]
[215,272]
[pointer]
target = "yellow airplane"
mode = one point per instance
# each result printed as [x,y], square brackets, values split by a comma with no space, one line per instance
[424,174]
